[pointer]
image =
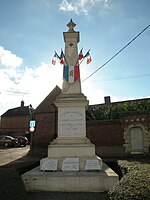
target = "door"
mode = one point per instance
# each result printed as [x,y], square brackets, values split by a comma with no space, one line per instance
[137,144]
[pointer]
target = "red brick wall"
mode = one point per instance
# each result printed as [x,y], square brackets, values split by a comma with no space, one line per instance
[107,136]
[105,133]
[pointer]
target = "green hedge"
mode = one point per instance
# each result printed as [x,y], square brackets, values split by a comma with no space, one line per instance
[114,110]
[135,185]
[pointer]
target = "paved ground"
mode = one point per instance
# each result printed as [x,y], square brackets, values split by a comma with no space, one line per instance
[8,155]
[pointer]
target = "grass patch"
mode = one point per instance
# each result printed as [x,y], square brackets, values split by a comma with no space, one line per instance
[135,184]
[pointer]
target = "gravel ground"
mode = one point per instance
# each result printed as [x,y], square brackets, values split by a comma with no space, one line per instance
[67,196]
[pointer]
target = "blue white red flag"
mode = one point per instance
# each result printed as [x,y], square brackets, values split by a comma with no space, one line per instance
[89,59]
[55,57]
[71,73]
[62,56]
[81,55]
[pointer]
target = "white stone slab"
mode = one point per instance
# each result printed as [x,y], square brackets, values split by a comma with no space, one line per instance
[70,164]
[71,122]
[47,164]
[92,165]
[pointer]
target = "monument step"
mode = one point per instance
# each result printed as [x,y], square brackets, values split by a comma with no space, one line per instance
[71,150]
[71,140]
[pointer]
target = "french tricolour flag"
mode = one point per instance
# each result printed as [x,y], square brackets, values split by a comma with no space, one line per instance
[71,73]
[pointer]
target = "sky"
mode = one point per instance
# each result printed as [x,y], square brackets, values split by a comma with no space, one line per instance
[31,30]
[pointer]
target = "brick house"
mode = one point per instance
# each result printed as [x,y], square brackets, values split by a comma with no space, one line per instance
[15,121]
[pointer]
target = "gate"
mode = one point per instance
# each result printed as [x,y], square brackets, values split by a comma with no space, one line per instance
[137,144]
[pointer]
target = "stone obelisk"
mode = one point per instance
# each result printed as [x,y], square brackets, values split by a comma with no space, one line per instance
[71,141]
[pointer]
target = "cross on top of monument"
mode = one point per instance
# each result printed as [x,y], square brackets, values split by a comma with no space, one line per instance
[71,26]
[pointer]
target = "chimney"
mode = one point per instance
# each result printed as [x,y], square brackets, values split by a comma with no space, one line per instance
[22,103]
[107,100]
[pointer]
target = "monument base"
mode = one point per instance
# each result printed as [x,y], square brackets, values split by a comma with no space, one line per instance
[71,166]
[82,181]
[72,148]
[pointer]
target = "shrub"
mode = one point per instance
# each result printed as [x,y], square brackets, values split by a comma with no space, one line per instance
[114,110]
[135,185]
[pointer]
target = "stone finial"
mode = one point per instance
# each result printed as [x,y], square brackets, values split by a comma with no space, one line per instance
[71,26]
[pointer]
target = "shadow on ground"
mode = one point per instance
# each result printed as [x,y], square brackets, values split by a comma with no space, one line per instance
[67,196]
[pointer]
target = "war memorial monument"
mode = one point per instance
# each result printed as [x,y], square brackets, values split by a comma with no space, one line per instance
[71,165]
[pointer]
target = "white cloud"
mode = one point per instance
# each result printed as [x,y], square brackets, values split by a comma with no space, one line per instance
[95,96]
[8,59]
[40,81]
[31,84]
[69,7]
[82,6]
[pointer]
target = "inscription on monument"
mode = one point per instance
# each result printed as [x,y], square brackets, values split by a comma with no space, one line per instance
[92,165]
[47,164]
[72,123]
[70,164]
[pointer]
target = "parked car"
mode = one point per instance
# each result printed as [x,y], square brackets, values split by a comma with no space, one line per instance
[22,140]
[7,141]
